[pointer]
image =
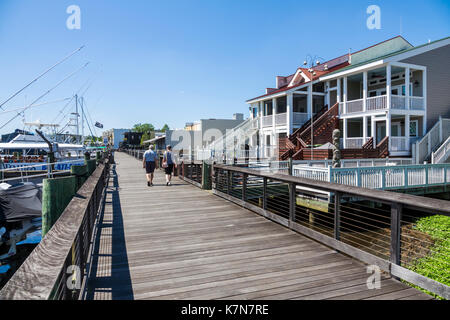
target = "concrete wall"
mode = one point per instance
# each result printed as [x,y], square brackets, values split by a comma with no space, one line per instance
[438,80]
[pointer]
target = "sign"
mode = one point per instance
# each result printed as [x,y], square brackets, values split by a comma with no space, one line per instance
[21,166]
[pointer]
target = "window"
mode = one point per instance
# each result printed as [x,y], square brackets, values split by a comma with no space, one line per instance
[281,104]
[413,128]
[300,103]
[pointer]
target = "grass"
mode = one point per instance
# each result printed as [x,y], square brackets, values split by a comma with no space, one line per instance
[436,266]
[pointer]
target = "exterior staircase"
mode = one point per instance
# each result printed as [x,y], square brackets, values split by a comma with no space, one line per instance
[423,149]
[323,124]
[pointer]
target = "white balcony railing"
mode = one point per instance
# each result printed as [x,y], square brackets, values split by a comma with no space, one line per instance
[376,103]
[398,102]
[267,121]
[416,103]
[280,119]
[380,103]
[398,144]
[354,143]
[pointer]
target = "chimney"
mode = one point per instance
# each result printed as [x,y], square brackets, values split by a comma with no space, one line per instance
[238,116]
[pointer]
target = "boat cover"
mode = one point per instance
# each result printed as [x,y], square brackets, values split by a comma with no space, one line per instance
[20,202]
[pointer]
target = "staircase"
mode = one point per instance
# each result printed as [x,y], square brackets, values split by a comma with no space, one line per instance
[423,149]
[442,154]
[323,124]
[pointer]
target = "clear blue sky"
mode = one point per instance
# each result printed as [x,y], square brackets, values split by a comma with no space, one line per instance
[179,61]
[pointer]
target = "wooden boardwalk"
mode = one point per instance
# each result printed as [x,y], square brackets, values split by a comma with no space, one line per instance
[180,242]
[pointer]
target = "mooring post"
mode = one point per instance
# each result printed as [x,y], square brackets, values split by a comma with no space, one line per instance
[56,195]
[81,174]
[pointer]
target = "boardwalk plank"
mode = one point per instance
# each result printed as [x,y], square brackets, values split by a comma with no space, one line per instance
[181,242]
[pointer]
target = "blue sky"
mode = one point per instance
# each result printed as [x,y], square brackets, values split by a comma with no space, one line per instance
[180,61]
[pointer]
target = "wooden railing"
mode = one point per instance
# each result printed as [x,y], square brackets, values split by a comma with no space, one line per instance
[372,226]
[56,269]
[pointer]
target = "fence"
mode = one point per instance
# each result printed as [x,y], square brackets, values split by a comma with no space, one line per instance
[62,257]
[377,227]
[387,177]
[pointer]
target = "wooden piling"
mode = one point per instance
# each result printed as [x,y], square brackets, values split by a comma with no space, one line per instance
[56,194]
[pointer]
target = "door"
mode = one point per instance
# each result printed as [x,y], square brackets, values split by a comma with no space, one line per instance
[381,131]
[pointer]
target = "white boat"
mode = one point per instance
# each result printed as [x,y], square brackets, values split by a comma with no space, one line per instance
[33,151]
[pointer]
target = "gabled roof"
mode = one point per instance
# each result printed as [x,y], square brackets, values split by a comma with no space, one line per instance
[382,50]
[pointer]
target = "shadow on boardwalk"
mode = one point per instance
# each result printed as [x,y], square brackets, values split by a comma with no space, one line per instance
[110,275]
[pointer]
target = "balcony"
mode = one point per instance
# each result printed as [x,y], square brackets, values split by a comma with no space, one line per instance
[380,103]
[267,121]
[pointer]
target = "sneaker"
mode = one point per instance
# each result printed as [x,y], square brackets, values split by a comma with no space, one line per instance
[148,184]
[167,184]
[151,184]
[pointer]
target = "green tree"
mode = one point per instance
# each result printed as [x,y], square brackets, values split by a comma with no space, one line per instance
[165,128]
[143,127]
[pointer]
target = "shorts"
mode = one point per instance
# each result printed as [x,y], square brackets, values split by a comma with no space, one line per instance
[169,168]
[150,167]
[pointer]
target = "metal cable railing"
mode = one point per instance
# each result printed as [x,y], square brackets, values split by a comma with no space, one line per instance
[388,229]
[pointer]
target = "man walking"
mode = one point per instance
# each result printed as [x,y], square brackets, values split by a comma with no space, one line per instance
[149,163]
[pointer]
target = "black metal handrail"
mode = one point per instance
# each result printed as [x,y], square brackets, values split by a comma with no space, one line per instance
[364,223]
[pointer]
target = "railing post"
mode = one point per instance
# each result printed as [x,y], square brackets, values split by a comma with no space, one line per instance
[396,215]
[264,204]
[292,203]
[383,178]
[290,166]
[405,172]
[244,186]
[229,181]
[426,175]
[337,215]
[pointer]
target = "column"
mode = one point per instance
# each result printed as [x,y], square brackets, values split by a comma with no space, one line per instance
[407,93]
[290,114]
[310,101]
[274,125]
[388,129]
[407,119]
[327,97]
[344,136]
[365,91]
[424,94]
[338,83]
[364,129]
[373,129]
[344,96]
[388,86]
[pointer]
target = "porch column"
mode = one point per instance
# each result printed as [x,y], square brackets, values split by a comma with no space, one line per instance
[274,124]
[364,129]
[344,137]
[407,93]
[388,129]
[327,97]
[364,91]
[424,94]
[373,129]
[345,95]
[290,113]
[274,111]
[388,87]
[310,101]
[407,120]
[338,95]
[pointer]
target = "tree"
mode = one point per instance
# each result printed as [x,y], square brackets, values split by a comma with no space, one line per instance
[143,127]
[165,128]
